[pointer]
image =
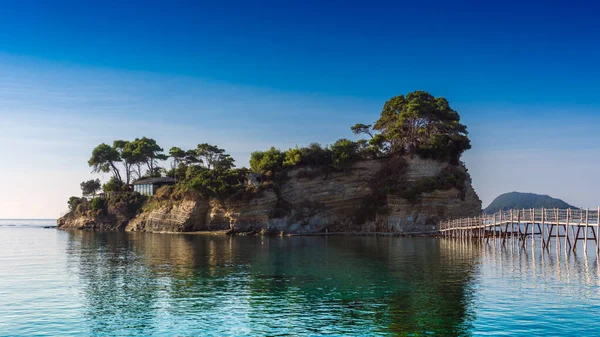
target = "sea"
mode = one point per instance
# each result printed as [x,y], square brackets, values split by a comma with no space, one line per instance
[79,283]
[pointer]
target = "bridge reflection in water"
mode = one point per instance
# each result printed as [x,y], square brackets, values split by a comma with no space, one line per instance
[221,285]
[155,284]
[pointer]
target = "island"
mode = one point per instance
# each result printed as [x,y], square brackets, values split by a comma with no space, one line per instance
[400,175]
[520,200]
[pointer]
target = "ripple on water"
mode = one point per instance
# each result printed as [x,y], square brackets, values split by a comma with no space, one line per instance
[133,284]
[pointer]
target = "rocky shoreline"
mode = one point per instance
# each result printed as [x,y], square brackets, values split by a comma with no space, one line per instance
[314,204]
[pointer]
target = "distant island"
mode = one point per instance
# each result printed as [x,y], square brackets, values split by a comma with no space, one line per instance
[403,175]
[519,200]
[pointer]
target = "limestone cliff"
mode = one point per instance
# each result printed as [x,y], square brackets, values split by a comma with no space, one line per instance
[310,201]
[188,215]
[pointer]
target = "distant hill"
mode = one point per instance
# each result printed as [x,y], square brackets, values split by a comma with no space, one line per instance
[518,200]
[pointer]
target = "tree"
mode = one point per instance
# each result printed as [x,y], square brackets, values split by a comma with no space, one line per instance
[178,156]
[423,124]
[212,157]
[147,151]
[270,161]
[73,203]
[315,155]
[344,152]
[97,204]
[292,157]
[191,158]
[104,159]
[217,183]
[90,187]
[359,128]
[157,172]
[113,185]
[129,156]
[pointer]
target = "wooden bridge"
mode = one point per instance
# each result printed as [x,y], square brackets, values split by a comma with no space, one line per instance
[541,225]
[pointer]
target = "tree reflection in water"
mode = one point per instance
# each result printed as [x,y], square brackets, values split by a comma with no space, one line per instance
[136,283]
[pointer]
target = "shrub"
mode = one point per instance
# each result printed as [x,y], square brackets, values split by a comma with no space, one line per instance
[164,192]
[270,161]
[344,152]
[73,203]
[97,204]
[292,157]
[113,185]
[218,183]
[315,155]
[81,208]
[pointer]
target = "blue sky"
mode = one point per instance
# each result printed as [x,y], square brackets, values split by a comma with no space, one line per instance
[248,75]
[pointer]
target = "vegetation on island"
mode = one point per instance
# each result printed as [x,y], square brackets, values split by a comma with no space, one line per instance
[413,124]
[518,200]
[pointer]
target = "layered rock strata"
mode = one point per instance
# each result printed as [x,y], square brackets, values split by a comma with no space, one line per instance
[309,201]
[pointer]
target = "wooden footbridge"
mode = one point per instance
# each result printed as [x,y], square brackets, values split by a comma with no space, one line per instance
[542,225]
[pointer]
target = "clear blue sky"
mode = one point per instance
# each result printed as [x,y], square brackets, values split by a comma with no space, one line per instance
[248,75]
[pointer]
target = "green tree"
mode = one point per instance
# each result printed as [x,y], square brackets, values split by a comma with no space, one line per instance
[292,157]
[217,183]
[90,187]
[73,203]
[178,156]
[149,152]
[270,161]
[129,156]
[344,153]
[97,204]
[212,157]
[113,185]
[157,172]
[421,123]
[191,157]
[315,155]
[360,128]
[104,159]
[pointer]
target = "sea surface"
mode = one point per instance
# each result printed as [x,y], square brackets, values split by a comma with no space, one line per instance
[76,283]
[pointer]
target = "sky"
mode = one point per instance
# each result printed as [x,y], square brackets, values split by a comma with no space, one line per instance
[524,77]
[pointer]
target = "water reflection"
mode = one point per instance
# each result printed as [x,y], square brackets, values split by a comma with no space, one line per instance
[554,264]
[136,283]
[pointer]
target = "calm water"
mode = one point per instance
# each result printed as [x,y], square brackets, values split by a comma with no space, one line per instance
[59,283]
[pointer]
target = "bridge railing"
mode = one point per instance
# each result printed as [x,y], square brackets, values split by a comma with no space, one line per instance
[571,216]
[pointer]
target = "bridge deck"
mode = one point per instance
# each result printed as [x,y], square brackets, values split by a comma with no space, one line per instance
[570,224]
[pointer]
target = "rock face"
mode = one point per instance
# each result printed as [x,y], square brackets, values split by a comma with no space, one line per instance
[184,216]
[311,202]
[91,222]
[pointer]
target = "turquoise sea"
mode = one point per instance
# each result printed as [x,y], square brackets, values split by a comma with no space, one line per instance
[75,283]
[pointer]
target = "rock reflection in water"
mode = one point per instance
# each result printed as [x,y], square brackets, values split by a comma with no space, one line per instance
[136,283]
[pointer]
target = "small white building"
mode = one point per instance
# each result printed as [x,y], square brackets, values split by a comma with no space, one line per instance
[254,179]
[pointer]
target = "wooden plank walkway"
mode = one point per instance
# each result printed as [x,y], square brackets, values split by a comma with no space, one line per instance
[541,225]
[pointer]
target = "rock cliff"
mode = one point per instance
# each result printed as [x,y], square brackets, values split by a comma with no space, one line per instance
[310,201]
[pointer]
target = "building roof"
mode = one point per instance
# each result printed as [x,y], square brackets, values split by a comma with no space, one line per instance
[157,180]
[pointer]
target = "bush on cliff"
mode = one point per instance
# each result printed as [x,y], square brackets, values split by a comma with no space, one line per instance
[415,124]
[73,203]
[267,162]
[97,203]
[217,183]
[113,185]
[335,158]
[126,204]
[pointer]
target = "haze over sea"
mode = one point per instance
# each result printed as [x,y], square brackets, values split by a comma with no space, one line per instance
[78,283]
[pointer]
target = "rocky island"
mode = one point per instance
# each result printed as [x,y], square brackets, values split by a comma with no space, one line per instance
[403,176]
